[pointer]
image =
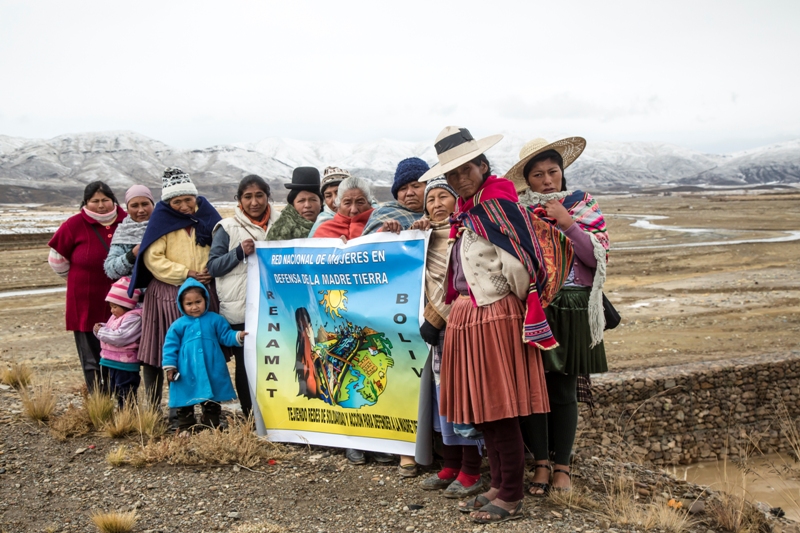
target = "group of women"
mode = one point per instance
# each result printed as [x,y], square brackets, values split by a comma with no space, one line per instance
[513,285]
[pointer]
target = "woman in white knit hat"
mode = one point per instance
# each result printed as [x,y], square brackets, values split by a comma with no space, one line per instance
[175,247]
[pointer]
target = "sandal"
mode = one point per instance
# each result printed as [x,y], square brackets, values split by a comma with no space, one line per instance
[569,475]
[501,514]
[535,487]
[474,504]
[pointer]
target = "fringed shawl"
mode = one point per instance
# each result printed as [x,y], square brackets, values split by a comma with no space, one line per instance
[586,214]
[391,211]
[436,267]
[494,214]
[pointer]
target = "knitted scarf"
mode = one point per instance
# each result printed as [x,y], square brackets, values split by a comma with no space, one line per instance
[263,222]
[129,232]
[391,211]
[586,214]
[105,219]
[494,214]
[290,225]
[436,267]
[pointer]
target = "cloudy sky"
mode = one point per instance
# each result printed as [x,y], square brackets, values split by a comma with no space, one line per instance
[714,76]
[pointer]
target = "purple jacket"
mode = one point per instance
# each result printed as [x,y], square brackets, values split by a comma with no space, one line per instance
[119,337]
[585,263]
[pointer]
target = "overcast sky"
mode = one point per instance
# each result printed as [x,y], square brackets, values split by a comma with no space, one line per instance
[714,76]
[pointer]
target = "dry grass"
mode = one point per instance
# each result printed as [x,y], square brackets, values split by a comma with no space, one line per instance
[18,375]
[577,498]
[114,522]
[622,508]
[235,445]
[118,456]
[100,407]
[149,421]
[74,422]
[733,513]
[123,422]
[39,403]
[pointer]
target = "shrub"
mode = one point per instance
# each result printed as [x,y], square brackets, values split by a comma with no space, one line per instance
[18,375]
[74,422]
[114,522]
[100,407]
[39,403]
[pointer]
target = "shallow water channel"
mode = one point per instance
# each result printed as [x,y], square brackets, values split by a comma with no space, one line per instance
[764,479]
[672,236]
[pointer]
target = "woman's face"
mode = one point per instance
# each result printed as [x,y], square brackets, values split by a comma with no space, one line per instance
[308,205]
[466,179]
[354,202]
[440,204]
[330,196]
[184,204]
[545,177]
[100,203]
[254,202]
[140,208]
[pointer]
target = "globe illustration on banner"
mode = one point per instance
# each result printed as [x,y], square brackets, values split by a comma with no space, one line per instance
[347,366]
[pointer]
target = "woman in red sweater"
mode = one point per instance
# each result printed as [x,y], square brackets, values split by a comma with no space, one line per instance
[77,253]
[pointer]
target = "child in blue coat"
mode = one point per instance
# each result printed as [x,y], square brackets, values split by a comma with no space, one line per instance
[193,359]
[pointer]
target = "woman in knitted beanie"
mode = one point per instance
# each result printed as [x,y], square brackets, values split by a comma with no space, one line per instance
[409,202]
[125,244]
[175,247]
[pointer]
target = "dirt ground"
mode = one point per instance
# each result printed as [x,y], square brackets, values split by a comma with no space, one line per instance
[680,301]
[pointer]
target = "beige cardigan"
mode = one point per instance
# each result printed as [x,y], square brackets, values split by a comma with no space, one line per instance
[491,272]
[171,257]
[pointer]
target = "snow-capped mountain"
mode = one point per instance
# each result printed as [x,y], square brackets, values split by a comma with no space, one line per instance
[57,169]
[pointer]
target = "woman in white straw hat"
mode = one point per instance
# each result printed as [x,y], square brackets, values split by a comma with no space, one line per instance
[491,368]
[576,313]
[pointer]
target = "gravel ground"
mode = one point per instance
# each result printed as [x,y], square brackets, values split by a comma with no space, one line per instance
[47,485]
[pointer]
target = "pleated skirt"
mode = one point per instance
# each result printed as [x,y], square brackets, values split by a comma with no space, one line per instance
[488,373]
[160,310]
[568,316]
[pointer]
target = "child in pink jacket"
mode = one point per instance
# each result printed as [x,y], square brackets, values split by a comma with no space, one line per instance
[119,341]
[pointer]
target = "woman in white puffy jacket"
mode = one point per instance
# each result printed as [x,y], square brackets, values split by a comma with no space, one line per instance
[234,239]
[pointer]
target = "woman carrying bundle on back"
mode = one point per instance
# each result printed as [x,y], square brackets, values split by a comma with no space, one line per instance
[504,266]
[576,312]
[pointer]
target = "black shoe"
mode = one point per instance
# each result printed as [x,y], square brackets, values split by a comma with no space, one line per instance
[383,458]
[355,457]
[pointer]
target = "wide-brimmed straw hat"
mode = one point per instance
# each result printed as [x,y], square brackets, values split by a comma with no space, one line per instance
[456,146]
[569,148]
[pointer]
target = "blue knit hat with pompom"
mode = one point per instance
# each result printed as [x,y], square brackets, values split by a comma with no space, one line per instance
[408,170]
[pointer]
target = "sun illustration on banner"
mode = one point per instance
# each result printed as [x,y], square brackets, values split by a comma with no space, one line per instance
[334,301]
[347,366]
